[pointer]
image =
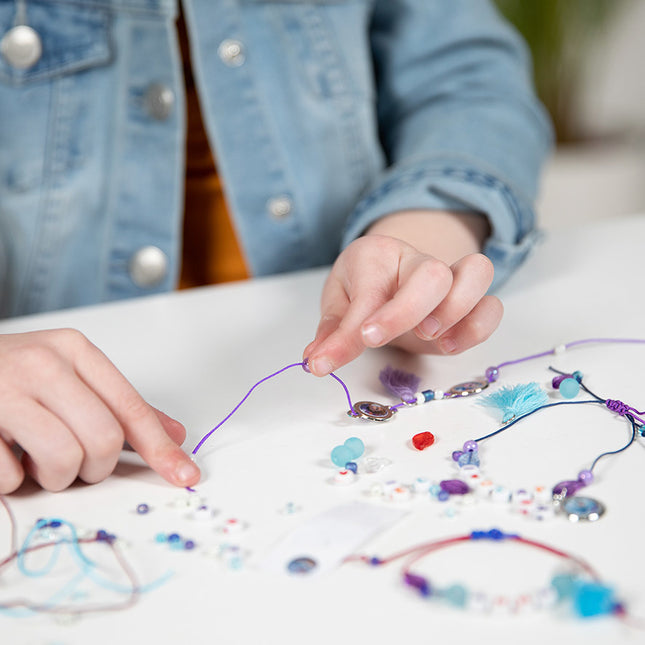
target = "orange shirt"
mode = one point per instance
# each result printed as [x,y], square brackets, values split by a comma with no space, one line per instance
[210,251]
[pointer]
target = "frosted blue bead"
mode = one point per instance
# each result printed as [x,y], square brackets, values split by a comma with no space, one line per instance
[565,585]
[340,455]
[569,388]
[594,599]
[455,595]
[434,490]
[160,537]
[468,458]
[356,446]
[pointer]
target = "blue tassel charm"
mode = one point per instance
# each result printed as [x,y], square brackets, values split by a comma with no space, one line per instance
[516,401]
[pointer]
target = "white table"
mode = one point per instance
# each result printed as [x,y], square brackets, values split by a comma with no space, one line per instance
[195,354]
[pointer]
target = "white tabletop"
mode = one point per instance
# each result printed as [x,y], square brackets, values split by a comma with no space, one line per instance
[195,354]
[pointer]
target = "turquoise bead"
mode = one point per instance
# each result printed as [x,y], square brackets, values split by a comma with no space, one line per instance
[356,446]
[569,388]
[565,585]
[455,595]
[594,599]
[341,455]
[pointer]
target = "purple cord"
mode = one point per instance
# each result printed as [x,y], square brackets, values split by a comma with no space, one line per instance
[572,344]
[246,396]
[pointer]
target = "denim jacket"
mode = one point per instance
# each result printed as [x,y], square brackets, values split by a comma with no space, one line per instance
[324,115]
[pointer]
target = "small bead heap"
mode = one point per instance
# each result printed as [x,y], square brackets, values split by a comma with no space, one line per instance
[175,541]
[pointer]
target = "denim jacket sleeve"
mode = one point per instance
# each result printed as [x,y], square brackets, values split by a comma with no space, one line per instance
[459,121]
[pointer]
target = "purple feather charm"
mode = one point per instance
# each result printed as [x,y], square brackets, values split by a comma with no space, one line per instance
[402,384]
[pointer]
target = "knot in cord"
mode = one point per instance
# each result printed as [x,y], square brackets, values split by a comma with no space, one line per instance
[617,406]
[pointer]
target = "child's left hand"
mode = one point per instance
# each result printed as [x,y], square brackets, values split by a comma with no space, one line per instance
[383,290]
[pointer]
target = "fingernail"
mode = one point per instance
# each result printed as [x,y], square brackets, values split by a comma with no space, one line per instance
[447,345]
[372,334]
[321,366]
[186,472]
[429,327]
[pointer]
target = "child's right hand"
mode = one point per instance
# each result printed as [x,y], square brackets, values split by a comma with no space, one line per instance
[70,410]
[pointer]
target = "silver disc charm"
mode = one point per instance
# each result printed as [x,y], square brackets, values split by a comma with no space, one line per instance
[582,508]
[371,411]
[466,389]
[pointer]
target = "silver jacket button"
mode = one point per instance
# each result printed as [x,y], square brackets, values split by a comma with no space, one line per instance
[159,101]
[279,207]
[148,267]
[21,47]
[231,52]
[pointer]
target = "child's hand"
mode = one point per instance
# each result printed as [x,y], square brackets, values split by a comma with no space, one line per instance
[70,410]
[383,290]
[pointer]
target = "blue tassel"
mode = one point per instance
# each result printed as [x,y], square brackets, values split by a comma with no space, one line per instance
[517,400]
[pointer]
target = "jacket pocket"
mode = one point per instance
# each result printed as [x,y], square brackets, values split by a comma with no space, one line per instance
[72,37]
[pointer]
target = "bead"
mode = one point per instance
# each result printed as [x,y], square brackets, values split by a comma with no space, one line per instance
[470,458]
[521,496]
[343,477]
[500,494]
[438,394]
[569,388]
[470,446]
[456,454]
[189,545]
[469,472]
[568,487]
[428,395]
[421,485]
[355,446]
[560,349]
[577,375]
[454,486]
[417,582]
[479,602]
[372,465]
[55,524]
[593,599]
[543,512]
[351,465]
[492,374]
[484,488]
[555,382]
[142,509]
[161,537]
[305,365]
[203,512]
[233,525]
[434,490]
[443,496]
[455,595]
[174,537]
[422,440]
[400,494]
[340,455]
[420,398]
[585,476]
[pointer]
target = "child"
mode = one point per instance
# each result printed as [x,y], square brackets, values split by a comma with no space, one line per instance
[403,131]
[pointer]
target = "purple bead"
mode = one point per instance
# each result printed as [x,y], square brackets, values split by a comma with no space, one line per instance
[189,545]
[557,380]
[470,446]
[443,496]
[585,476]
[572,486]
[454,486]
[142,509]
[417,582]
[492,374]
[456,454]
[305,366]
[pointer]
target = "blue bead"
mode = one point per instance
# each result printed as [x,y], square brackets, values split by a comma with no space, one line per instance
[55,524]
[174,537]
[455,595]
[160,537]
[350,465]
[569,388]
[428,395]
[443,496]
[577,375]
[434,490]
[340,455]
[142,509]
[356,446]
[565,585]
[468,459]
[176,546]
[594,599]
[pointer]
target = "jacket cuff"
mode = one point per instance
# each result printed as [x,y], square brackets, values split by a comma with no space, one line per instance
[456,185]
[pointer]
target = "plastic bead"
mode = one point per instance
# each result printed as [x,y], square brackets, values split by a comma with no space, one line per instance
[428,395]
[340,455]
[593,599]
[443,496]
[343,477]
[470,458]
[189,545]
[470,446]
[356,446]
[421,485]
[577,375]
[585,476]
[142,509]
[555,382]
[455,595]
[456,454]
[161,538]
[417,582]
[492,374]
[422,440]
[400,494]
[174,537]
[454,487]
[351,465]
[569,388]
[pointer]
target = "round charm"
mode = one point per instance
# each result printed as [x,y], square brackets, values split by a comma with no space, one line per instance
[372,411]
[582,508]
[301,565]
[466,389]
